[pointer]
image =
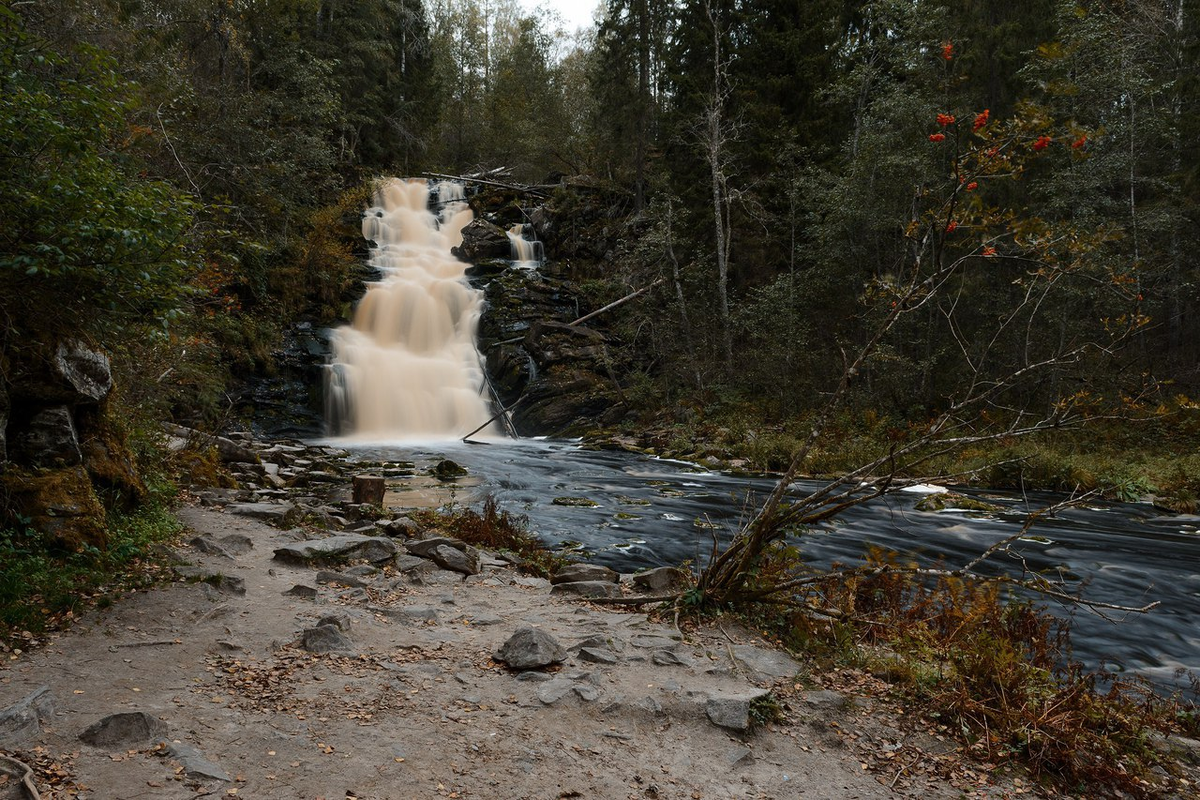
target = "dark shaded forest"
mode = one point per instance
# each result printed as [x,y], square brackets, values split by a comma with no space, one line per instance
[948,217]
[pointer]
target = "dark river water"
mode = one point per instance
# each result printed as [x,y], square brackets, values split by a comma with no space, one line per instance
[651,512]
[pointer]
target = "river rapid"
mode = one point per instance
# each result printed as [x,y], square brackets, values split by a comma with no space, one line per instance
[651,512]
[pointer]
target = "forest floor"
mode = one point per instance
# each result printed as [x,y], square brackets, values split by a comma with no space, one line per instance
[416,706]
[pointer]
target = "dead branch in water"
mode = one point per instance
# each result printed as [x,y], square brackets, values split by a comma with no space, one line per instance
[516,187]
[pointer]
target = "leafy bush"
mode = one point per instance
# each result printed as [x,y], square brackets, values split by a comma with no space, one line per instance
[501,531]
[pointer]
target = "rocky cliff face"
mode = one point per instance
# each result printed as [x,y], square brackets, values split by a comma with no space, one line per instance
[60,451]
[561,377]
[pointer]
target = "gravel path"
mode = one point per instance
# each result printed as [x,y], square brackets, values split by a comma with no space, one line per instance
[414,705]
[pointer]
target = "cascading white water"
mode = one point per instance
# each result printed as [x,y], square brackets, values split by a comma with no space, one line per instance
[526,253]
[407,367]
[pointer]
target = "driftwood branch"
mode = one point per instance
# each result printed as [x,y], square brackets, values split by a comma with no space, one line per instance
[616,303]
[498,184]
[24,775]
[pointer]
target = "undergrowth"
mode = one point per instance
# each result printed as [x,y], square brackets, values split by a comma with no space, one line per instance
[499,531]
[991,668]
[1124,460]
[42,588]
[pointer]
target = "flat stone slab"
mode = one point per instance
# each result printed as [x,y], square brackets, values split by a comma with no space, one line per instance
[124,729]
[22,721]
[765,663]
[339,579]
[598,655]
[573,573]
[732,711]
[339,547]
[661,579]
[195,765]
[225,584]
[281,515]
[587,589]
[324,639]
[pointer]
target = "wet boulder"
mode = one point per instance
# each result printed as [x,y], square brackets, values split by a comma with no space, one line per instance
[482,240]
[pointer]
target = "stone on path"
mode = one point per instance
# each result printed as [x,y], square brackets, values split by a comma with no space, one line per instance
[573,573]
[598,655]
[732,711]
[281,515]
[324,639]
[662,579]
[554,690]
[225,584]
[124,729]
[22,721]
[825,698]
[587,589]
[447,553]
[300,590]
[195,765]
[339,547]
[530,648]
[236,543]
[339,620]
[668,658]
[206,544]
[339,579]
[765,663]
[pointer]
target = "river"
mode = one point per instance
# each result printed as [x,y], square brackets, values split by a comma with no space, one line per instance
[651,512]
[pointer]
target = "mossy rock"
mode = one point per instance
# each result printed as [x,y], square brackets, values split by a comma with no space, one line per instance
[108,460]
[447,470]
[581,502]
[954,500]
[59,504]
[623,515]
[632,501]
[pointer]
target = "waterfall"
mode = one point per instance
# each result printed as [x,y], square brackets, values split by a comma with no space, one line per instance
[526,252]
[407,367]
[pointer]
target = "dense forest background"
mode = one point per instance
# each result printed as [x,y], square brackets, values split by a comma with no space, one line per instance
[999,186]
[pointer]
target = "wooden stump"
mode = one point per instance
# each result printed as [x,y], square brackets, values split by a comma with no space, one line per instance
[368,489]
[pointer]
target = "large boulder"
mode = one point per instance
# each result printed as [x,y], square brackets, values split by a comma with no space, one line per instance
[107,458]
[564,400]
[48,440]
[338,548]
[554,342]
[481,240]
[60,504]
[69,374]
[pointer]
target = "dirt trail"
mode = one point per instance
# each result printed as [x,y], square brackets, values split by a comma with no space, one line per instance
[417,707]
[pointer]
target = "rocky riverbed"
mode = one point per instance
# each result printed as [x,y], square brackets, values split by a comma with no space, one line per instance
[310,648]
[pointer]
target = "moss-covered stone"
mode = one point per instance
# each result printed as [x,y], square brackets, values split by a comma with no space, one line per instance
[945,500]
[60,504]
[581,502]
[108,460]
[447,470]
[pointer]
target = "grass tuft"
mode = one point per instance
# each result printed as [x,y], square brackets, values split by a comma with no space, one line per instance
[499,531]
